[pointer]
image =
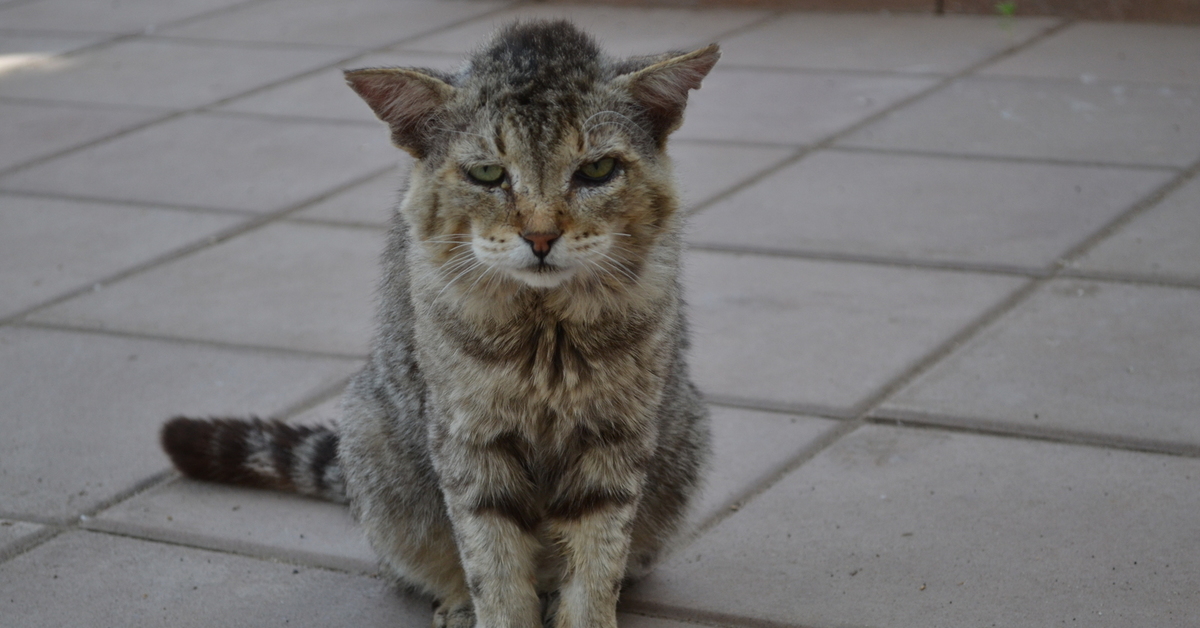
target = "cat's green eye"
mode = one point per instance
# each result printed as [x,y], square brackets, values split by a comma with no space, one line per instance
[598,171]
[487,175]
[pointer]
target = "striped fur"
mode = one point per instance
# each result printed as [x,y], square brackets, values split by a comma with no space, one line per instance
[256,453]
[524,437]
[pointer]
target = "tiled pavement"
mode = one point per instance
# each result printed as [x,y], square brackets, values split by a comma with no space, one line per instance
[944,284]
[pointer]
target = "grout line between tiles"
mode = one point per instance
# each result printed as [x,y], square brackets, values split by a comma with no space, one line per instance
[190,542]
[28,543]
[195,342]
[250,224]
[1138,208]
[1041,161]
[703,617]
[873,260]
[129,203]
[778,407]
[236,547]
[1185,283]
[991,427]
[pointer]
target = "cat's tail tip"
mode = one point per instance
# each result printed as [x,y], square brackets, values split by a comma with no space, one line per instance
[256,453]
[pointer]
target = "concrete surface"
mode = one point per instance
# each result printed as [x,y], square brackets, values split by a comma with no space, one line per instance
[944,286]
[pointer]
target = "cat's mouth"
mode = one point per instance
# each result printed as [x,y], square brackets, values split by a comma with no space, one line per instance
[542,275]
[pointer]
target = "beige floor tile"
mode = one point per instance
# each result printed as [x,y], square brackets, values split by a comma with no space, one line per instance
[85,423]
[14,532]
[917,528]
[219,161]
[88,16]
[1162,242]
[925,208]
[358,23]
[704,170]
[34,130]
[1100,122]
[84,578]
[49,247]
[1109,359]
[627,31]
[784,107]
[829,335]
[1090,51]
[369,203]
[750,447]
[232,519]
[161,73]
[292,286]
[877,41]
[326,95]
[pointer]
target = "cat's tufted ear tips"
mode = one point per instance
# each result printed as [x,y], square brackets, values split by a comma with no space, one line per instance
[406,99]
[662,88]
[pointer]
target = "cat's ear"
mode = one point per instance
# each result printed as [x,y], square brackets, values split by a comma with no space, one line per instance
[406,99]
[662,87]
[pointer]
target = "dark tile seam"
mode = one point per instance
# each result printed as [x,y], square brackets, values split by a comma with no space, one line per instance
[195,342]
[333,222]
[1000,428]
[963,266]
[1097,82]
[815,71]
[273,117]
[74,104]
[231,546]
[1139,208]
[182,540]
[895,106]
[1041,161]
[250,224]
[29,542]
[1164,280]
[239,44]
[704,141]
[779,407]
[703,617]
[128,203]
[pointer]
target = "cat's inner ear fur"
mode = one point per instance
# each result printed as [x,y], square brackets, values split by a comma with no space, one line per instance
[662,87]
[408,100]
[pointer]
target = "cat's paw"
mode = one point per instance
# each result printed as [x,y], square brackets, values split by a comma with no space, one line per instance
[453,616]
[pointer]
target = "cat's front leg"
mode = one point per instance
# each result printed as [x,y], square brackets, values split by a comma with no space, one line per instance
[591,519]
[488,497]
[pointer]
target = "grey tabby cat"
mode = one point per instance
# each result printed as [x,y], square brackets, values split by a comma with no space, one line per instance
[524,437]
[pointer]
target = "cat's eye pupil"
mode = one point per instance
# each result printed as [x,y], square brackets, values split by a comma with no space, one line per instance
[597,171]
[491,173]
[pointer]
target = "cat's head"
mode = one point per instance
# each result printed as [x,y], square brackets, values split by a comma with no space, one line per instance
[541,161]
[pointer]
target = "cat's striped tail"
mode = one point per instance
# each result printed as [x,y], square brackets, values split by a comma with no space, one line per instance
[257,453]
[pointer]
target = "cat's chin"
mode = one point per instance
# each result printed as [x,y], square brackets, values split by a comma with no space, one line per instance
[542,277]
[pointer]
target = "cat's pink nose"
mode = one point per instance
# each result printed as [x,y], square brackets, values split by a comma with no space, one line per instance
[540,242]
